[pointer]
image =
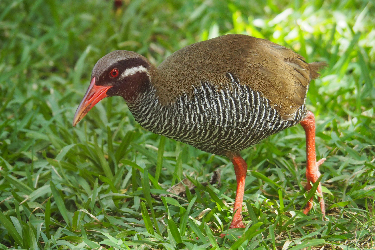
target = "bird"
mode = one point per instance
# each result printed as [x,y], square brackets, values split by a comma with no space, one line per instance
[221,96]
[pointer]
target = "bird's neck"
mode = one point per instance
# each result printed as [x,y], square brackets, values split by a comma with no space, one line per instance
[142,97]
[145,107]
[137,84]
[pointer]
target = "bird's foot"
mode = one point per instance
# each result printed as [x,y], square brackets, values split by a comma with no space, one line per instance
[237,224]
[234,224]
[312,176]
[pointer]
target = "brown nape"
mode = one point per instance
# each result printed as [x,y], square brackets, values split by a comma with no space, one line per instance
[280,74]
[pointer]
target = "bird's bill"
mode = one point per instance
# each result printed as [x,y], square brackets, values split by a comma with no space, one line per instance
[94,94]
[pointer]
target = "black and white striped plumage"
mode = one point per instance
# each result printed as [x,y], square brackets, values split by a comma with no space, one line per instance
[216,121]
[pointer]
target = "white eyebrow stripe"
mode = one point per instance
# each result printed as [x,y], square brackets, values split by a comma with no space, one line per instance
[134,70]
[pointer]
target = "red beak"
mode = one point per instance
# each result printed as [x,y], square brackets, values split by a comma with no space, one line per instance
[94,94]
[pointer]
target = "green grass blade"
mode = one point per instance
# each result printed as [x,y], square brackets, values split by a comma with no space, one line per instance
[339,66]
[47,217]
[125,142]
[266,179]
[211,237]
[197,231]
[11,229]
[146,219]
[159,163]
[103,162]
[272,234]
[309,243]
[186,216]
[248,235]
[281,201]
[109,182]
[174,231]
[94,194]
[60,203]
[19,185]
[135,166]
[147,194]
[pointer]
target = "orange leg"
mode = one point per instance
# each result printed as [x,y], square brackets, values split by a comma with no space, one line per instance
[312,167]
[240,168]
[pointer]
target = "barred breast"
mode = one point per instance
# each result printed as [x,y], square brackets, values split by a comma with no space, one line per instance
[218,121]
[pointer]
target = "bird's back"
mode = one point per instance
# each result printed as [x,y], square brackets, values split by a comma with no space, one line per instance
[279,74]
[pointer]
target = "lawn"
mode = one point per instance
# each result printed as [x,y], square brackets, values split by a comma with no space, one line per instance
[103,184]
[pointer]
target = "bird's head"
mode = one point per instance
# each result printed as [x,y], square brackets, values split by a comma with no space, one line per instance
[119,73]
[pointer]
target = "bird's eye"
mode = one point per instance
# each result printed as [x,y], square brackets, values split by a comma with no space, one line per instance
[114,73]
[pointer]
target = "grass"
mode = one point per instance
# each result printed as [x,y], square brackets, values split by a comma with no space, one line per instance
[102,185]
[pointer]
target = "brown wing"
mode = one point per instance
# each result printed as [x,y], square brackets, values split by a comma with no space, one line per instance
[280,74]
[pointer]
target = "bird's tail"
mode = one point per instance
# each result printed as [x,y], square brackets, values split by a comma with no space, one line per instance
[315,67]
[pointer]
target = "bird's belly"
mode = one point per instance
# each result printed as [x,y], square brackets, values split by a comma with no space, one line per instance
[216,121]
